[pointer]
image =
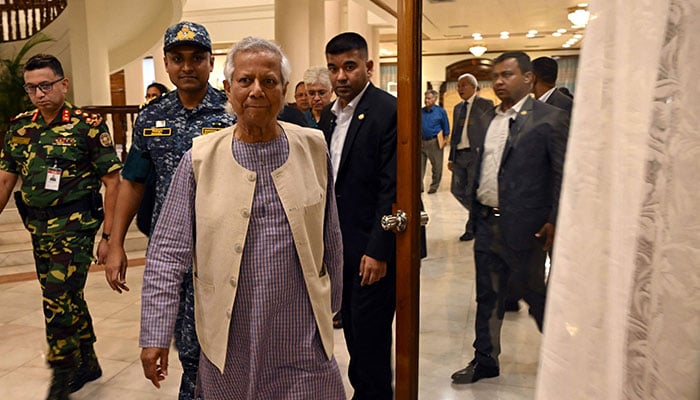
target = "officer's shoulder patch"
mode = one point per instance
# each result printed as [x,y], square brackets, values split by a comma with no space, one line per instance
[91,119]
[23,115]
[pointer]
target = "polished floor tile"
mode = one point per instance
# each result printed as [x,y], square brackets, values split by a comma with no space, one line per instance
[446,329]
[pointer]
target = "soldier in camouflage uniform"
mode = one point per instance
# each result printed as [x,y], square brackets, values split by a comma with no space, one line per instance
[63,156]
[163,132]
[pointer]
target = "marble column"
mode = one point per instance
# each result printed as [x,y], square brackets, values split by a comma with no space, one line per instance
[89,55]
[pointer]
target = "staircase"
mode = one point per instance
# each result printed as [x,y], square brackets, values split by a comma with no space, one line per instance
[21,19]
[16,256]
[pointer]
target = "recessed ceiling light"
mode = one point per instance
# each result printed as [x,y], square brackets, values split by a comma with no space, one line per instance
[566,45]
[556,34]
[578,36]
[561,30]
[505,35]
[532,32]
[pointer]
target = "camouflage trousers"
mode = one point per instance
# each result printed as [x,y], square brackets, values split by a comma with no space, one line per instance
[62,263]
[186,340]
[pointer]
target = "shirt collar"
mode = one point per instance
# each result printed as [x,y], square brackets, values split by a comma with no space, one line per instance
[513,110]
[336,109]
[545,95]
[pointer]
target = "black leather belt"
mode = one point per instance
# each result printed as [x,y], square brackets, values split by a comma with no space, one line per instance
[432,138]
[487,211]
[59,210]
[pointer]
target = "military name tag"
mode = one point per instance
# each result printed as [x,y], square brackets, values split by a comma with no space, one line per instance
[20,140]
[157,132]
[206,131]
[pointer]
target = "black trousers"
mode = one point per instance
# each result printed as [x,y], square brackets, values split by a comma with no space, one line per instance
[501,270]
[463,181]
[368,313]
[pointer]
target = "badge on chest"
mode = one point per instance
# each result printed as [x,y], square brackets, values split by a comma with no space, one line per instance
[152,132]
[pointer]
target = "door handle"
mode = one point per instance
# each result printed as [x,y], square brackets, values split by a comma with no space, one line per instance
[397,222]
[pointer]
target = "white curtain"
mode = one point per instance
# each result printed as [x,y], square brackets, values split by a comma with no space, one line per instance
[623,311]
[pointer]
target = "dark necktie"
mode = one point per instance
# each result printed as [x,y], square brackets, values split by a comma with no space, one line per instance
[461,120]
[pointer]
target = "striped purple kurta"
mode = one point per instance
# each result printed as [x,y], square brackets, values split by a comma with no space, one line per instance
[274,349]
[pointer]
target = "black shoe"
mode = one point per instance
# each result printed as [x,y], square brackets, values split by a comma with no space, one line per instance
[511,306]
[84,375]
[431,191]
[60,384]
[473,372]
[88,370]
[466,237]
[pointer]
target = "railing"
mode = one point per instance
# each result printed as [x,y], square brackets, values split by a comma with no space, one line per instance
[21,19]
[121,120]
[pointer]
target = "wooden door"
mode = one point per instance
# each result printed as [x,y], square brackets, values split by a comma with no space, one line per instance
[408,198]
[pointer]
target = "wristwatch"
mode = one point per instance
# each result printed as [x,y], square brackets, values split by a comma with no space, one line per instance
[105,236]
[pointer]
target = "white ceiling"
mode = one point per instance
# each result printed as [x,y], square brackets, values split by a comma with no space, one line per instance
[448,25]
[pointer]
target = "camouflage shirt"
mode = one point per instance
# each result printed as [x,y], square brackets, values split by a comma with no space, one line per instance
[163,132]
[77,145]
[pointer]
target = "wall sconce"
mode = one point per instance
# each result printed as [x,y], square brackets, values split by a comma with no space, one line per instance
[478,50]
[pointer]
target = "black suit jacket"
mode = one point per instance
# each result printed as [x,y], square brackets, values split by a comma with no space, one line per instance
[560,100]
[476,126]
[365,186]
[530,174]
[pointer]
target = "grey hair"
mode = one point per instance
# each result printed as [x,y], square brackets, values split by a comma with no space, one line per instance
[317,74]
[256,45]
[433,92]
[471,79]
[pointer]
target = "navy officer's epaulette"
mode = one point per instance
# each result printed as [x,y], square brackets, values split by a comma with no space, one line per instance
[151,101]
[25,114]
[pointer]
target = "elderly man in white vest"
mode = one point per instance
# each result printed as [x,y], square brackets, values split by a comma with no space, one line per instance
[253,205]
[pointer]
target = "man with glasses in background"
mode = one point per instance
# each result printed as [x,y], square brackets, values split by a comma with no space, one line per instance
[63,155]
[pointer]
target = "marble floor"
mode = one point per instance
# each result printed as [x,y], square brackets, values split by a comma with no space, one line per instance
[446,332]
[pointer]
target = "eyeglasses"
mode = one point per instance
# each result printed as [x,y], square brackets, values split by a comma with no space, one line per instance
[45,87]
[320,93]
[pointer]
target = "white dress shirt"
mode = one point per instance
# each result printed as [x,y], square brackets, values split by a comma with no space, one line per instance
[464,138]
[494,144]
[343,117]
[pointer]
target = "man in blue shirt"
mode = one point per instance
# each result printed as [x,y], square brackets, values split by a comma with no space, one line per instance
[435,126]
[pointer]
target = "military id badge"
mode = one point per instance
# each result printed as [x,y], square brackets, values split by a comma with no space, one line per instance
[53,178]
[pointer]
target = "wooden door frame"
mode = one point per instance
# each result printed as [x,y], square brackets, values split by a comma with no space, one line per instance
[408,198]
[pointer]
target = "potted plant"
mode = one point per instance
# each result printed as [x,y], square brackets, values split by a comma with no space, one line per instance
[13,98]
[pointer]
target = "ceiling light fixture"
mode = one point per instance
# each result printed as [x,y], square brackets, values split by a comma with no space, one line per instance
[478,50]
[505,35]
[579,16]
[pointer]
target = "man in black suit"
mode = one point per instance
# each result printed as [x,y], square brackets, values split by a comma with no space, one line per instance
[360,127]
[545,70]
[519,171]
[461,158]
